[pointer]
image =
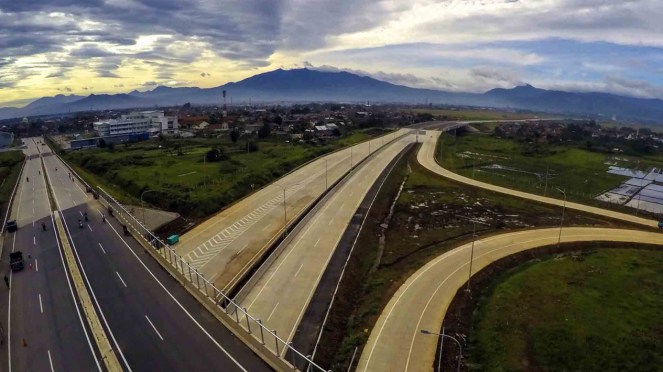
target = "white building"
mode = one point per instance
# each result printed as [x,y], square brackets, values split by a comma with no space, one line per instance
[152,122]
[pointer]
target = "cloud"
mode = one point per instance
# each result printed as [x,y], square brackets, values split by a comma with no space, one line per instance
[149,83]
[203,74]
[67,89]
[118,85]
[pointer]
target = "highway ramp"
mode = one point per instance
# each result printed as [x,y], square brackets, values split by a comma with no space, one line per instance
[226,246]
[283,290]
[426,157]
[396,344]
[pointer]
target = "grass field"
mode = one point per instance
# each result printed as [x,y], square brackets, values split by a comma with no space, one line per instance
[599,314]
[580,173]
[10,167]
[187,183]
[479,114]
[424,225]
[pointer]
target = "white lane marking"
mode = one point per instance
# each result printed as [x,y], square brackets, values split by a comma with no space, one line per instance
[34,240]
[316,243]
[155,328]
[244,247]
[41,307]
[118,275]
[300,267]
[81,213]
[88,226]
[265,228]
[64,221]
[272,313]
[102,248]
[36,265]
[330,221]
[9,323]
[342,205]
[176,301]
[50,361]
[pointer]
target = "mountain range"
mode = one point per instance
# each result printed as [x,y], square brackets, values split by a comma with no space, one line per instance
[304,85]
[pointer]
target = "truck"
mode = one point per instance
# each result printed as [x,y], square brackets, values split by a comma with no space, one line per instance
[16,261]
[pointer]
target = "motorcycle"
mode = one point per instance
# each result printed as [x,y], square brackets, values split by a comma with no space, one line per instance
[85,217]
[80,224]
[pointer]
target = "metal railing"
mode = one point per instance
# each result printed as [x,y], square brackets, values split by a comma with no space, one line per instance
[250,324]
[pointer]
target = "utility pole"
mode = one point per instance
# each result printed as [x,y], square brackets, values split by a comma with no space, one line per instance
[545,191]
[559,239]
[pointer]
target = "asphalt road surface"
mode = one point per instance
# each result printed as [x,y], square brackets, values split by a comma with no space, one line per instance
[396,344]
[426,157]
[280,297]
[41,307]
[224,247]
[151,321]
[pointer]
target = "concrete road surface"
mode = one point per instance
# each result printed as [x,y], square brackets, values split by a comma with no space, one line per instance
[224,247]
[280,297]
[426,157]
[41,307]
[396,344]
[152,323]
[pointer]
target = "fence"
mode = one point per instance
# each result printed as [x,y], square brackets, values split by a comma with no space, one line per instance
[252,325]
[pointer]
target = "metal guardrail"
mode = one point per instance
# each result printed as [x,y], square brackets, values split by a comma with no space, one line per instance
[250,324]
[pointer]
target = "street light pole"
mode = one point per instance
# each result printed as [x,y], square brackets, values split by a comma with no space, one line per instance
[559,239]
[326,174]
[474,238]
[141,202]
[460,347]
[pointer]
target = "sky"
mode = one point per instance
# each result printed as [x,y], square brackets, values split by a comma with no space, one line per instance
[50,47]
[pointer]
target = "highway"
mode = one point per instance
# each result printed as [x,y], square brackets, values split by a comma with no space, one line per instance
[41,306]
[426,157]
[280,295]
[396,344]
[151,321]
[224,247]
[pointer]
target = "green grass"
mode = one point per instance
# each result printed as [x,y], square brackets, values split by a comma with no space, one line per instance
[582,174]
[601,314]
[187,184]
[10,167]
[479,114]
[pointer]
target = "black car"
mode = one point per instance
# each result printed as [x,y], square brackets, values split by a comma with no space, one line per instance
[12,226]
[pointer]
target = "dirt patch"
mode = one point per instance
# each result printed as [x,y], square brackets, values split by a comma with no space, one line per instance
[458,321]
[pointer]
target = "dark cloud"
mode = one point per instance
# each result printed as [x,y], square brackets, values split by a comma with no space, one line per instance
[149,83]
[204,74]
[118,85]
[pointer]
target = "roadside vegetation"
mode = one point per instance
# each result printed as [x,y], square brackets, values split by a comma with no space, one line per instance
[478,114]
[10,167]
[595,312]
[430,216]
[197,177]
[541,168]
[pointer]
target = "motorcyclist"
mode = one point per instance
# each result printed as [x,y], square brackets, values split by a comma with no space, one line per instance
[56,169]
[43,225]
[80,222]
[27,179]
[103,217]
[85,214]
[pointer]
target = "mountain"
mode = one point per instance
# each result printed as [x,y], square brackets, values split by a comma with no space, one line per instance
[304,85]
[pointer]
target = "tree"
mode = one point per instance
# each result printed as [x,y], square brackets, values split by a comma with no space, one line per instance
[336,132]
[102,143]
[264,131]
[234,135]
[212,155]
[111,147]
